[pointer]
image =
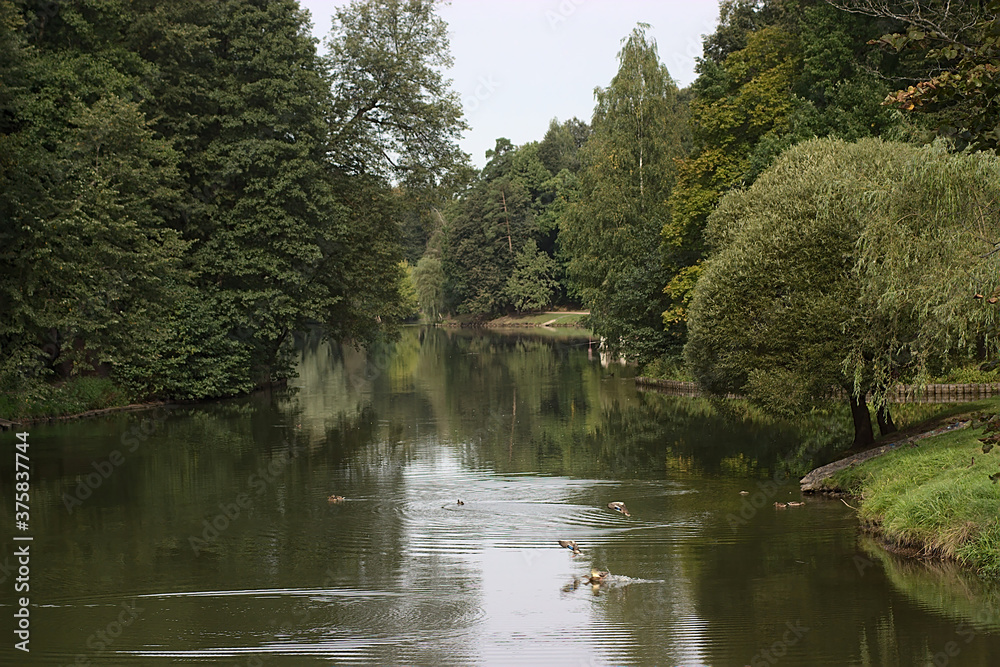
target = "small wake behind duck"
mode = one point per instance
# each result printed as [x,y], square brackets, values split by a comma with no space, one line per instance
[606,580]
[622,580]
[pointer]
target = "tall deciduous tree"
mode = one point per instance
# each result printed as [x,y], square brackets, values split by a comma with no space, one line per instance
[258,248]
[611,235]
[394,114]
[90,262]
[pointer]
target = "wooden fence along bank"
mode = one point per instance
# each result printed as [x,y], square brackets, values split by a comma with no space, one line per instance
[929,393]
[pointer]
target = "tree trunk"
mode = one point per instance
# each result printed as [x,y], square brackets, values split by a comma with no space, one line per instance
[885,423]
[863,434]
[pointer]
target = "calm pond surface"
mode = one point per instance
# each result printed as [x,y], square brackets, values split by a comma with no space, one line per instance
[203,534]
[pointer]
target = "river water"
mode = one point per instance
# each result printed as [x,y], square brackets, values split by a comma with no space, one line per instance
[204,535]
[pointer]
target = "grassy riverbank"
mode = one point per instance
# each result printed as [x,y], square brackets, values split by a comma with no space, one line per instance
[555,318]
[933,497]
[73,396]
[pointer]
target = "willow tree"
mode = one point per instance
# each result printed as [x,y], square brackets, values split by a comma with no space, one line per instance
[846,265]
[774,73]
[612,233]
[930,259]
[778,307]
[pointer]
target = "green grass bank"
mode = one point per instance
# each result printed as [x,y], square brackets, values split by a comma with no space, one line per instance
[934,496]
[68,397]
[553,318]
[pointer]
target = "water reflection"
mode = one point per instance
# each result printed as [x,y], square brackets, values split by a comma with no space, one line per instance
[217,531]
[943,588]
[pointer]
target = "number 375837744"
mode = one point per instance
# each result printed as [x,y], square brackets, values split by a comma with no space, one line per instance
[22,482]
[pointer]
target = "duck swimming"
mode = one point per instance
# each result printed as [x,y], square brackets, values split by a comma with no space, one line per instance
[795,503]
[619,507]
[460,502]
[596,577]
[571,545]
[335,499]
[780,506]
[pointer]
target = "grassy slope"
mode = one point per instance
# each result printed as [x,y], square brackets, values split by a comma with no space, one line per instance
[932,497]
[72,396]
[562,319]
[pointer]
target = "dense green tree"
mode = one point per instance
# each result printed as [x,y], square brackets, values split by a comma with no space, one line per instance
[929,258]
[849,265]
[393,113]
[283,236]
[502,249]
[108,249]
[611,234]
[777,309]
[429,280]
[561,192]
[20,192]
[181,253]
[560,148]
[773,74]
[90,264]
[258,254]
[532,285]
[491,224]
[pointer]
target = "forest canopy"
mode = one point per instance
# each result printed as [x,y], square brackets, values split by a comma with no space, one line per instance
[185,186]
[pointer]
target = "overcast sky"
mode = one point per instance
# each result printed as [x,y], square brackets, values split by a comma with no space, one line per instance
[520,63]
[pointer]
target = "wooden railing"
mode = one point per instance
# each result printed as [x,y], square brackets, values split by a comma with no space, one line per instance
[929,393]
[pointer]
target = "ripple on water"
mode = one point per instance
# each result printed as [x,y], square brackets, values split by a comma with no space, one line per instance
[342,625]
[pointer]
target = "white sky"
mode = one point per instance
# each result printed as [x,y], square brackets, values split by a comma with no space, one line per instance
[520,63]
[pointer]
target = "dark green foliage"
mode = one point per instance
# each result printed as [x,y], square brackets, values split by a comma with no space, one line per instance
[501,249]
[89,259]
[560,147]
[774,74]
[848,265]
[532,284]
[187,184]
[957,69]
[492,223]
[611,233]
